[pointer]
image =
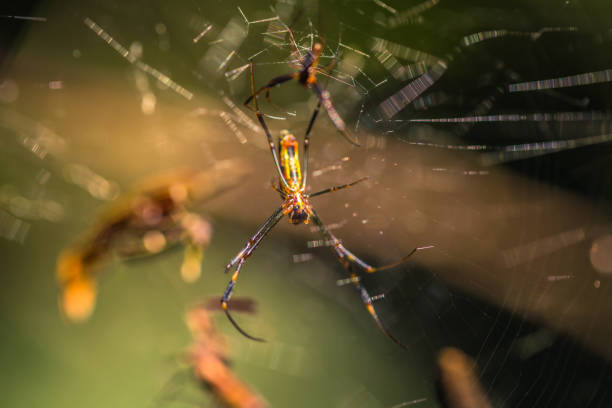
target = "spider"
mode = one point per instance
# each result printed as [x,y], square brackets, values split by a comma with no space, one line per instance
[157,215]
[308,67]
[296,206]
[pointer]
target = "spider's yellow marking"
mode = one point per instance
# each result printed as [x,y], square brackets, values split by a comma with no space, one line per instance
[289,162]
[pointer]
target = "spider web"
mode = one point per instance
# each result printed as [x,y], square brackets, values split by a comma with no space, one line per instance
[485,134]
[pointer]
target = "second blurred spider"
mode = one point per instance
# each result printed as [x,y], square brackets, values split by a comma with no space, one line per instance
[308,67]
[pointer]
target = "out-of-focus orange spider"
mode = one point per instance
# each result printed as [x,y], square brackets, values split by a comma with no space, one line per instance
[146,221]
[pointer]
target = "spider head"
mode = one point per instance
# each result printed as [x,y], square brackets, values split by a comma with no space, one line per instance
[298,215]
[297,209]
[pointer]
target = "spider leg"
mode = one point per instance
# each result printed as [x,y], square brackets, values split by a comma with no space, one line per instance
[346,258]
[265,128]
[252,244]
[270,100]
[240,259]
[367,300]
[307,143]
[325,99]
[371,269]
[336,188]
[225,303]
[292,42]
[275,188]
[273,82]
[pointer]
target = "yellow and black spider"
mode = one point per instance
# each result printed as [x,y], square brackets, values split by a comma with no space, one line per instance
[296,206]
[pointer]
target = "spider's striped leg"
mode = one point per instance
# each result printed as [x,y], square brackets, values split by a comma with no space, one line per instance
[265,128]
[226,298]
[371,269]
[240,259]
[346,258]
[273,82]
[307,143]
[325,99]
[256,238]
[336,188]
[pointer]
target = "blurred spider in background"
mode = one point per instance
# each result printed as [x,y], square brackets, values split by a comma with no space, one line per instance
[146,221]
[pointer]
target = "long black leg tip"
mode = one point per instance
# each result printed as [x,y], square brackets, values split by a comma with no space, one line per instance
[240,330]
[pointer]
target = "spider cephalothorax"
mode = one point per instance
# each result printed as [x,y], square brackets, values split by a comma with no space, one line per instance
[297,209]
